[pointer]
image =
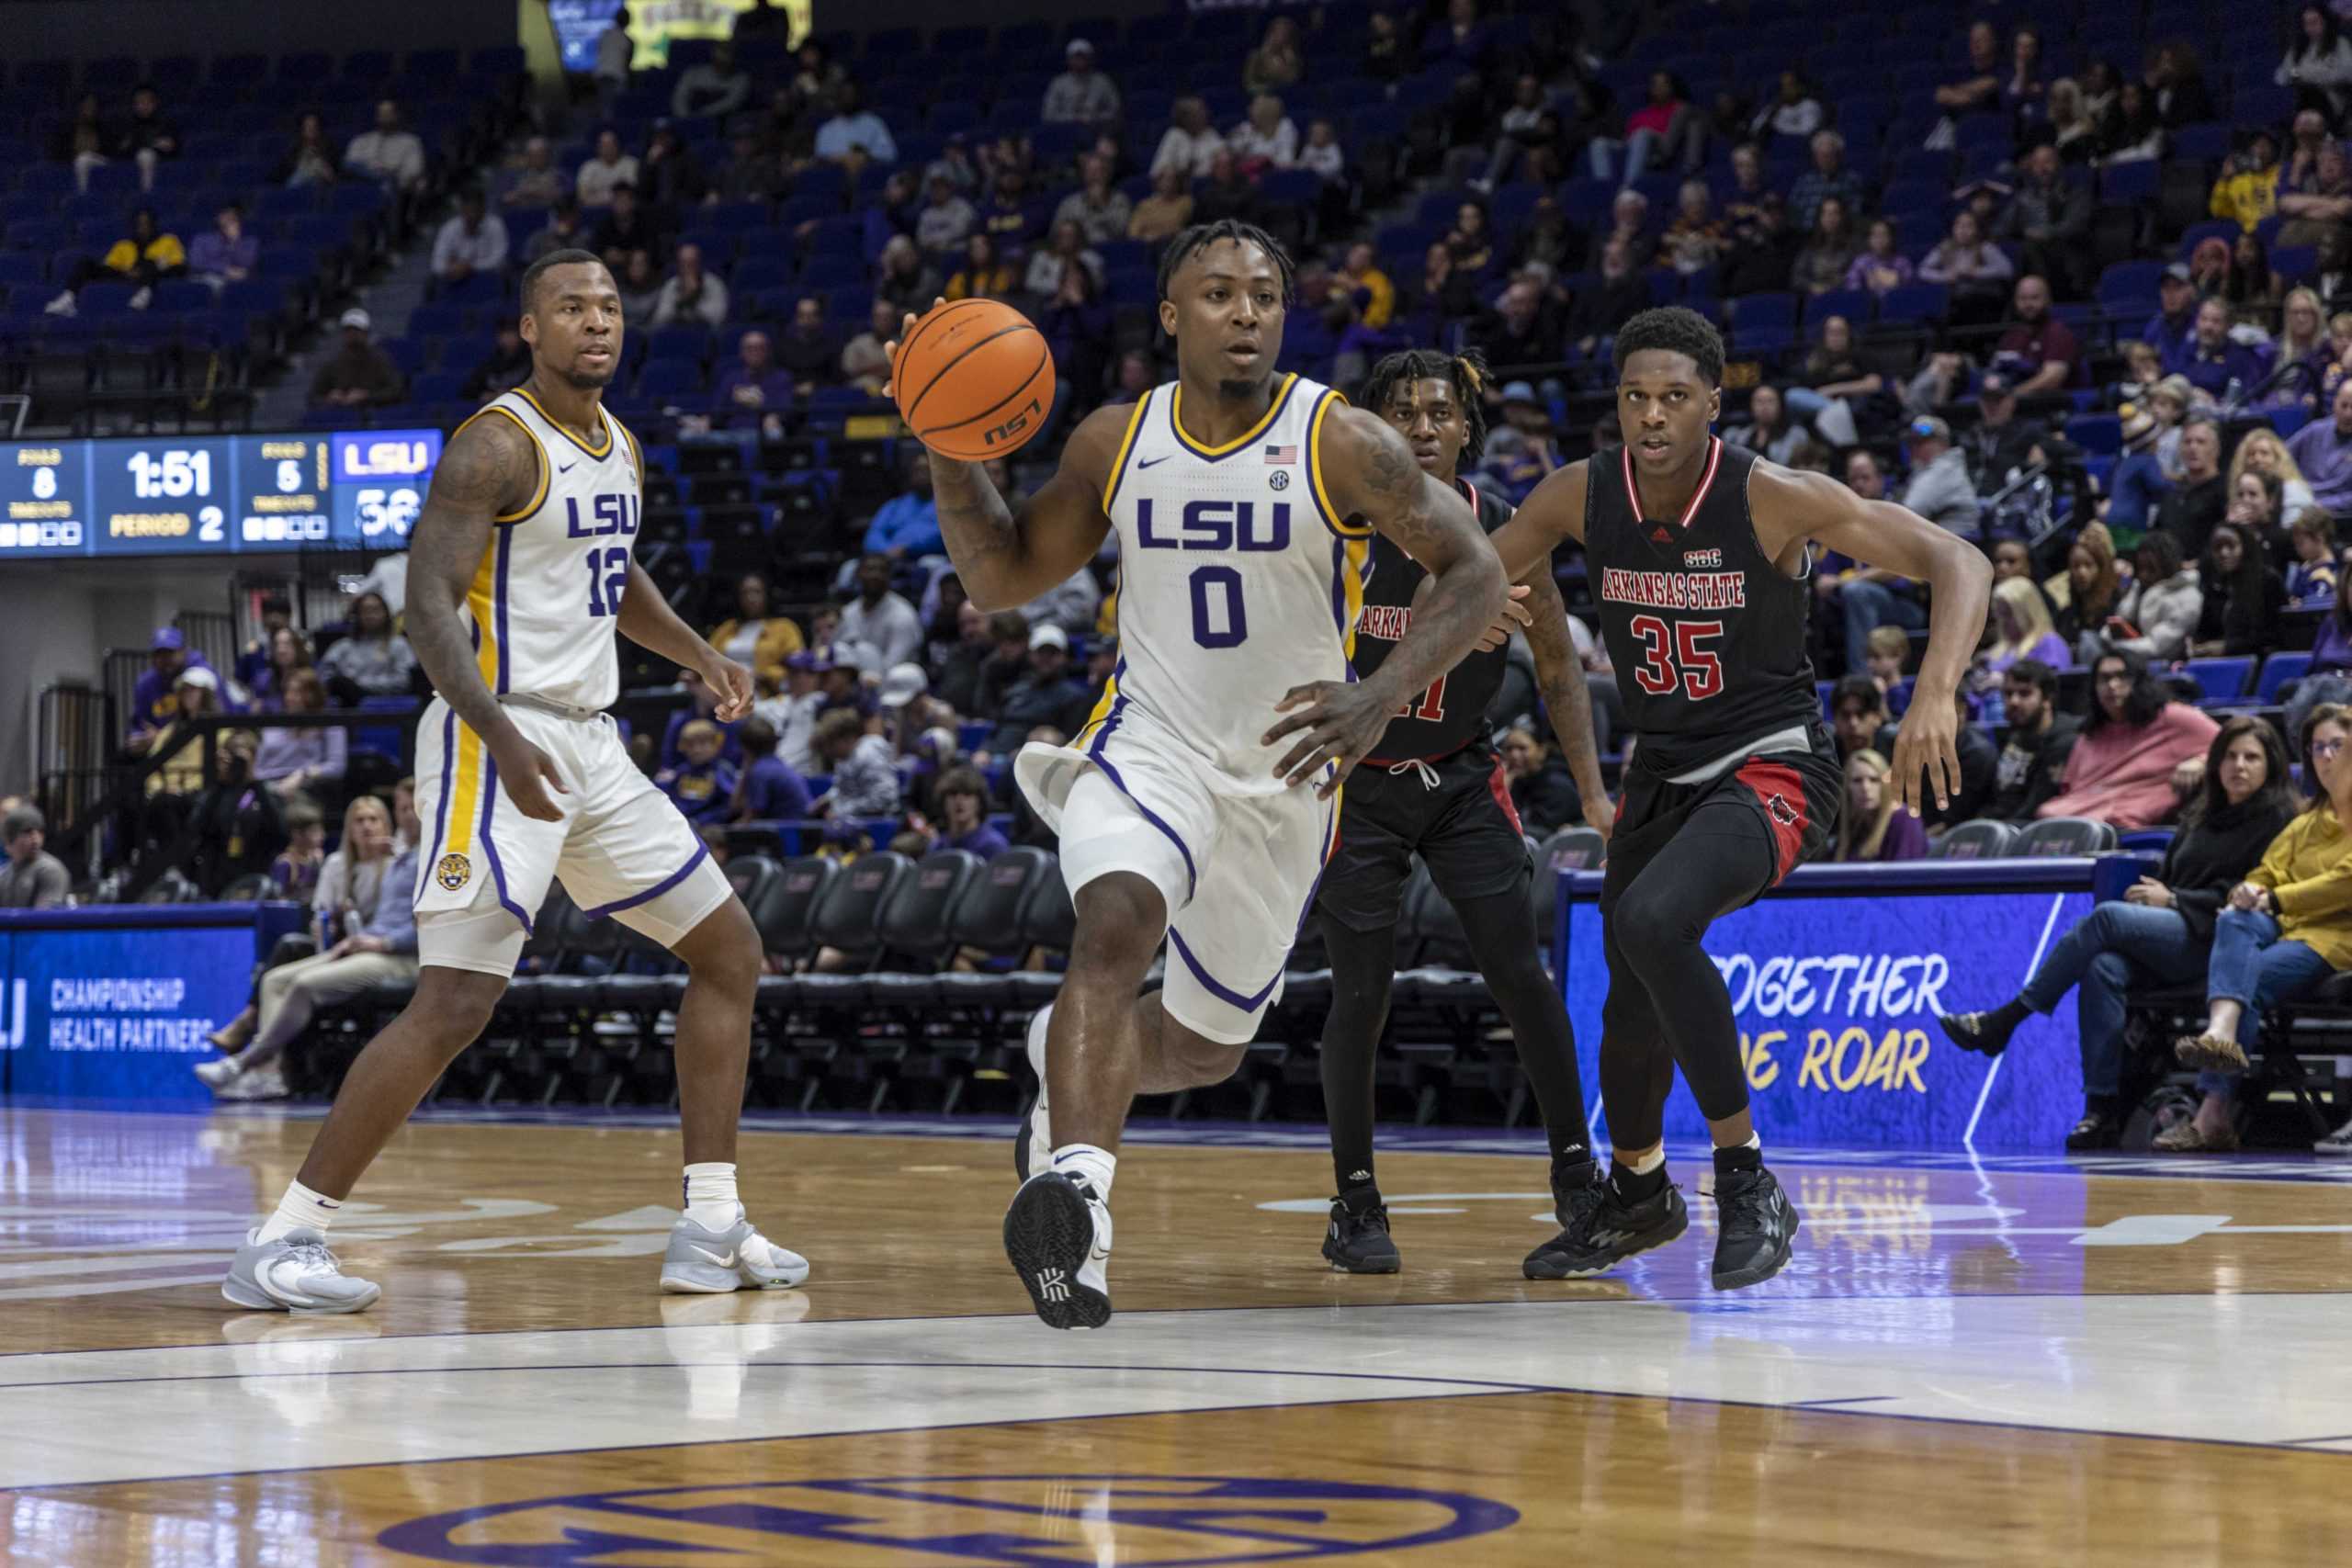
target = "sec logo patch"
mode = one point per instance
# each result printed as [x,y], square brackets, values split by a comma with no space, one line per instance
[1279,478]
[452,870]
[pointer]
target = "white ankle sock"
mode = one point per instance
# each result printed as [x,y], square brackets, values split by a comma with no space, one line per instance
[1088,1166]
[300,1209]
[710,1195]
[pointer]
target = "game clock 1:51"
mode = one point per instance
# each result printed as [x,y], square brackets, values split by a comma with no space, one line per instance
[164,497]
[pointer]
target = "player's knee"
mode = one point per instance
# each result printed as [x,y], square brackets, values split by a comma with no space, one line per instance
[1121,919]
[454,1006]
[1656,916]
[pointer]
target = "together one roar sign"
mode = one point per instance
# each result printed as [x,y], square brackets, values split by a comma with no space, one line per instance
[1835,998]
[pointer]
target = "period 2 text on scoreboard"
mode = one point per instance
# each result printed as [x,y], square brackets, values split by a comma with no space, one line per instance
[214,495]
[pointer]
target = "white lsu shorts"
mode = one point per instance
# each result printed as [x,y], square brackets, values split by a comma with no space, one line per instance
[621,847]
[1239,872]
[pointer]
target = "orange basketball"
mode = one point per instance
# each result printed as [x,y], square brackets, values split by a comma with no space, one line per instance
[974,379]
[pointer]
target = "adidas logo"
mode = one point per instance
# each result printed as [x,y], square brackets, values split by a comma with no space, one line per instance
[1053,1285]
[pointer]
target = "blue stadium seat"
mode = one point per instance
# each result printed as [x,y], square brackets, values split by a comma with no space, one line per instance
[2097,432]
[1854,304]
[676,380]
[2134,182]
[2277,671]
[2221,680]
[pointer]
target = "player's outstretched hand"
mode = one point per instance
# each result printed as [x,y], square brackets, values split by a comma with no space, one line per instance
[891,349]
[527,775]
[1927,752]
[732,683]
[1343,721]
[1513,615]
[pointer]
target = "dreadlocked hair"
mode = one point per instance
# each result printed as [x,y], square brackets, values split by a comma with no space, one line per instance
[1674,329]
[1465,371]
[1201,236]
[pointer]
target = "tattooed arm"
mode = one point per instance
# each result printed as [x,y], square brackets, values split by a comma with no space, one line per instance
[1370,472]
[1567,701]
[1006,558]
[489,468]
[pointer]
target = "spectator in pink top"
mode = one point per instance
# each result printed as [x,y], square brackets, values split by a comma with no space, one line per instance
[1662,128]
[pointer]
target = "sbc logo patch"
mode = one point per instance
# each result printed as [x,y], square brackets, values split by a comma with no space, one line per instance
[452,870]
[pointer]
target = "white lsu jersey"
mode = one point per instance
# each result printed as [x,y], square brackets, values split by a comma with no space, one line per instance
[546,599]
[1238,579]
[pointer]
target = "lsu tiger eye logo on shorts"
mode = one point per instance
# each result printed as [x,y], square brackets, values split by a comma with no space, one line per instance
[1137,1521]
[451,871]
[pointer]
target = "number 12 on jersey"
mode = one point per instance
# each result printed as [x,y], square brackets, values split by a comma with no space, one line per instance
[607,578]
[1679,654]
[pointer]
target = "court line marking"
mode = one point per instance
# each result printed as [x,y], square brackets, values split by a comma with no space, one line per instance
[1481,1385]
[1702,1300]
[1507,1391]
[1968,1138]
[2285,1167]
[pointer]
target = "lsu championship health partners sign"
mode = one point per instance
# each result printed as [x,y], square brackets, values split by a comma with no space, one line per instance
[115,1003]
[1835,981]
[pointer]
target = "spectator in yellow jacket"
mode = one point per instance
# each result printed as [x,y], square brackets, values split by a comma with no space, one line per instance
[2286,929]
[145,256]
[2247,191]
[755,636]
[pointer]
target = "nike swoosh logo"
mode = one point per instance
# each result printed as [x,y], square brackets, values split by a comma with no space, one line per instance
[567,468]
[1146,462]
[728,1261]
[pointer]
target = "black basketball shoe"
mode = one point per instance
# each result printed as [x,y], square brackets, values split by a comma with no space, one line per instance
[1057,1237]
[1358,1240]
[1758,1225]
[1600,1230]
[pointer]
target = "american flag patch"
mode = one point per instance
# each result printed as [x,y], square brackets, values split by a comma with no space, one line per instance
[1276,456]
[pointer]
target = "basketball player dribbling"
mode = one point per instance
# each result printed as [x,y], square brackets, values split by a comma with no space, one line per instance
[1200,802]
[520,572]
[1433,787]
[1698,554]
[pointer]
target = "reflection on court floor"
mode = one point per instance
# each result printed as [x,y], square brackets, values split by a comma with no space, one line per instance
[2090,1347]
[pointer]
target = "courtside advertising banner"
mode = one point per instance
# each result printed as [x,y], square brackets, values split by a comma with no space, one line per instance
[1835,998]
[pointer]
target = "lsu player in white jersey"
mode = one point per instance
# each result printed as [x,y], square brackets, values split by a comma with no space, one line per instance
[1199,803]
[521,571]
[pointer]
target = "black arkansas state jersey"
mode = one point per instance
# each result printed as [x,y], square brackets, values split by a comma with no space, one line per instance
[1453,712]
[1707,636]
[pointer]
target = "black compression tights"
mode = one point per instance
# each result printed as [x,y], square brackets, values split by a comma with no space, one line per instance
[1502,931]
[1667,1003]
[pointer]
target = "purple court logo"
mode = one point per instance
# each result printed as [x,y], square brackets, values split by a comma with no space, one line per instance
[1202,1521]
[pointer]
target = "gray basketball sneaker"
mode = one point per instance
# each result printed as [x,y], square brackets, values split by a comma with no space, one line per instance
[294,1273]
[707,1262]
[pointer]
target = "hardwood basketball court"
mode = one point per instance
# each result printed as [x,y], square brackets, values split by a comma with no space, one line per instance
[2019,1359]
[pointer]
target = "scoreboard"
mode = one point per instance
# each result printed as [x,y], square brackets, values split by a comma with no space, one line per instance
[214,495]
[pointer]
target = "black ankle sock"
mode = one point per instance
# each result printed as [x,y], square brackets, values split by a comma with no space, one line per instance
[1360,1197]
[2010,1014]
[1745,1156]
[1636,1186]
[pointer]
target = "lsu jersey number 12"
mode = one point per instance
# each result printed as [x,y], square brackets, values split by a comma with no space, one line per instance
[544,604]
